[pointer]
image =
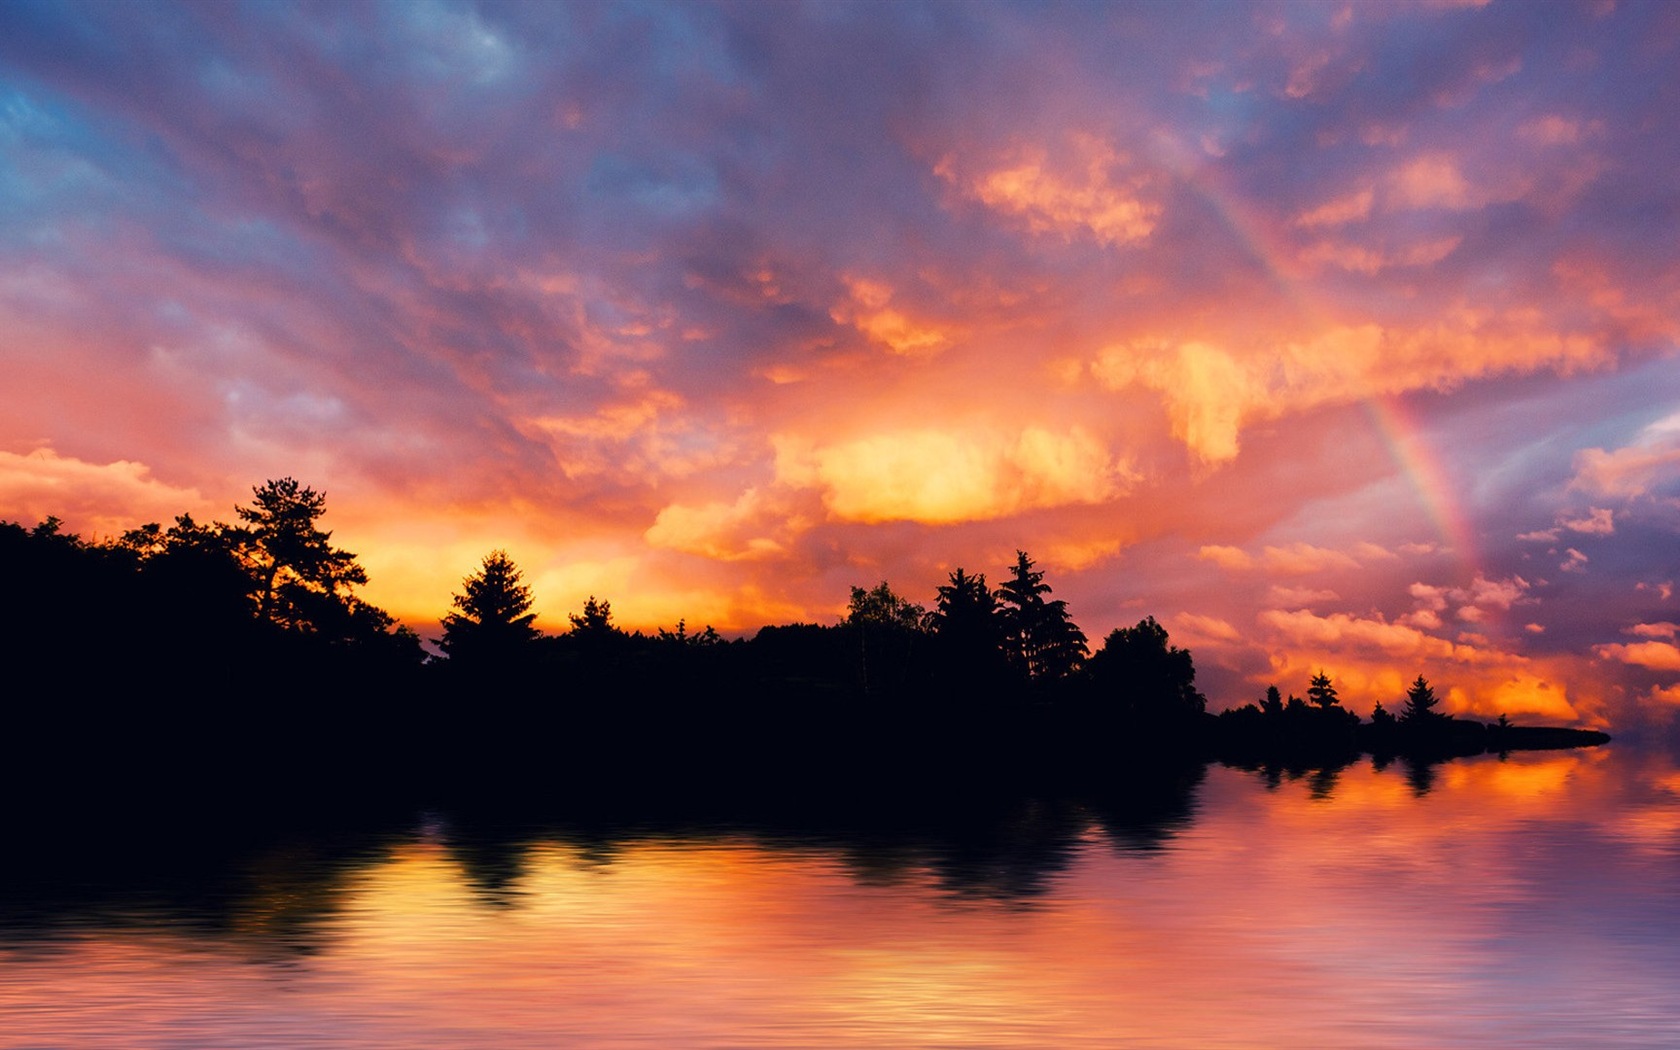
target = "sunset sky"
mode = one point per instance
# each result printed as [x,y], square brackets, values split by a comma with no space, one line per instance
[1331,335]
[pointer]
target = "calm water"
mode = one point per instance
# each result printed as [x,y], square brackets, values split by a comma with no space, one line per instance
[1533,902]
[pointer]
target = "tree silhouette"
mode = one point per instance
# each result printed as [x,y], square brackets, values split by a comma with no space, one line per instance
[1043,641]
[681,638]
[966,608]
[595,621]
[298,575]
[970,632]
[880,606]
[887,628]
[1151,679]
[1420,703]
[1272,705]
[1320,692]
[492,620]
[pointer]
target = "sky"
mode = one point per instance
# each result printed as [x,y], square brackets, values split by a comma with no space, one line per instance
[1334,336]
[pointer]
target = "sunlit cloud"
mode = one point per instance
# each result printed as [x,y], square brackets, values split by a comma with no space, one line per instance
[941,477]
[1634,469]
[1598,522]
[1340,630]
[1664,629]
[1338,212]
[1212,392]
[743,530]
[1374,660]
[1432,181]
[106,498]
[868,308]
[1087,194]
[1658,656]
[1365,259]
[1296,559]
[1196,629]
[1299,597]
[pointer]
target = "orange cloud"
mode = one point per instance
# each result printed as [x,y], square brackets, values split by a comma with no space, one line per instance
[1304,559]
[1299,597]
[738,531]
[1658,656]
[649,434]
[1375,660]
[1340,630]
[1084,201]
[1194,629]
[1234,558]
[104,498]
[1211,391]
[1075,556]
[1527,695]
[867,309]
[1295,559]
[946,476]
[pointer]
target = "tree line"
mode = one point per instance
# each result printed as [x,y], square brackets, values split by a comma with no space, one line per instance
[255,626]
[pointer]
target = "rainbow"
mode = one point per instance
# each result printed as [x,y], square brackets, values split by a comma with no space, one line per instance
[1413,456]
[1421,465]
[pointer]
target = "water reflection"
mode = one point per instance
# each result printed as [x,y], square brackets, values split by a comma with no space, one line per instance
[1532,901]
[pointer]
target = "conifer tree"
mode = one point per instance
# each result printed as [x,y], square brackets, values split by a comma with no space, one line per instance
[595,620]
[1420,704]
[1320,692]
[1042,641]
[969,630]
[492,618]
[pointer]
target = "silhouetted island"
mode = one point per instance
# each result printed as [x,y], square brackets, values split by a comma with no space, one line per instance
[207,661]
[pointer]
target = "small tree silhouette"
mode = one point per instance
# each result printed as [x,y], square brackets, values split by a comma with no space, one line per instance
[1321,692]
[595,620]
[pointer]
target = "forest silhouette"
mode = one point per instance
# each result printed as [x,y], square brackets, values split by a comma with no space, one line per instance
[211,661]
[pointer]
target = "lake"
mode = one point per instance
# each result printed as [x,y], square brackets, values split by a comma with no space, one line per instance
[1527,902]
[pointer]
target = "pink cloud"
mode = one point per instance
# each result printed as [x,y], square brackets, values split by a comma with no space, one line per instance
[1598,522]
[1664,629]
[1634,469]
